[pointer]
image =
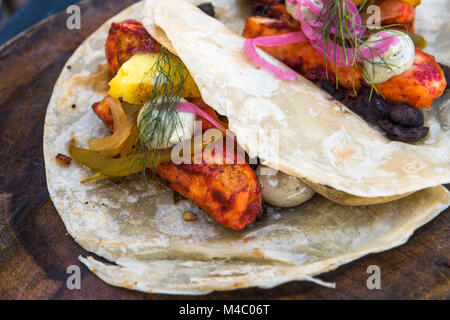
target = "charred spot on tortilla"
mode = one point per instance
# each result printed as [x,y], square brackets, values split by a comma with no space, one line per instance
[63,160]
[207,8]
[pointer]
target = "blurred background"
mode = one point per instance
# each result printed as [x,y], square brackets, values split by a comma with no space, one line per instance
[18,15]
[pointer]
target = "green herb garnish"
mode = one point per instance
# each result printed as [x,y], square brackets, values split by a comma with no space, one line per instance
[159,117]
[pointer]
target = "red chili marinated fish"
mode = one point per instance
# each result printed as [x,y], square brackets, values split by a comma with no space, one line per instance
[229,193]
[124,40]
[418,86]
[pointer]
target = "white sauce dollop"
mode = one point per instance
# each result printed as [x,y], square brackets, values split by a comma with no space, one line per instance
[184,130]
[396,60]
[282,190]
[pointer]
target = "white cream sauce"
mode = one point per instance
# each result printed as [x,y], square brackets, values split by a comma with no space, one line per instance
[184,130]
[282,190]
[396,60]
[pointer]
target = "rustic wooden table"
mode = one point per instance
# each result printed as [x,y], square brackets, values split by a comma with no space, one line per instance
[35,249]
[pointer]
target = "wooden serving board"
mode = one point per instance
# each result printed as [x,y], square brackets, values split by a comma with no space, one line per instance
[35,249]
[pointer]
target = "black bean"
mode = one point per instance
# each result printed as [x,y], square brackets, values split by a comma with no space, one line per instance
[400,133]
[406,115]
[381,109]
[207,8]
[400,121]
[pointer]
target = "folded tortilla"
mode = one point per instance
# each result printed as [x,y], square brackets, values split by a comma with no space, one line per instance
[141,232]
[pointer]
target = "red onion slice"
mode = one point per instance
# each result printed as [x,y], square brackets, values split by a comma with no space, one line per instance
[273,41]
[280,40]
[192,108]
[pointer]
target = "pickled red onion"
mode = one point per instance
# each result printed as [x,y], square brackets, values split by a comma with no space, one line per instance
[306,28]
[273,41]
[280,40]
[336,52]
[342,57]
[192,108]
[317,11]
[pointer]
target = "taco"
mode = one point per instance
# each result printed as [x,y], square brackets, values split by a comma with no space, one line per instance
[170,62]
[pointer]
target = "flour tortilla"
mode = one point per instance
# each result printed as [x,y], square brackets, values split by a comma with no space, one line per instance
[150,248]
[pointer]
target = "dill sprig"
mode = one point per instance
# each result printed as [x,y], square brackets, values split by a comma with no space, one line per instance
[337,15]
[159,117]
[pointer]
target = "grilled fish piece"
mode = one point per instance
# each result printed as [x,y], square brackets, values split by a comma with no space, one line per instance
[395,12]
[229,193]
[418,86]
[124,40]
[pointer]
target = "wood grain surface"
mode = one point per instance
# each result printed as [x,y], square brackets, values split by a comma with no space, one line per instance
[35,249]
